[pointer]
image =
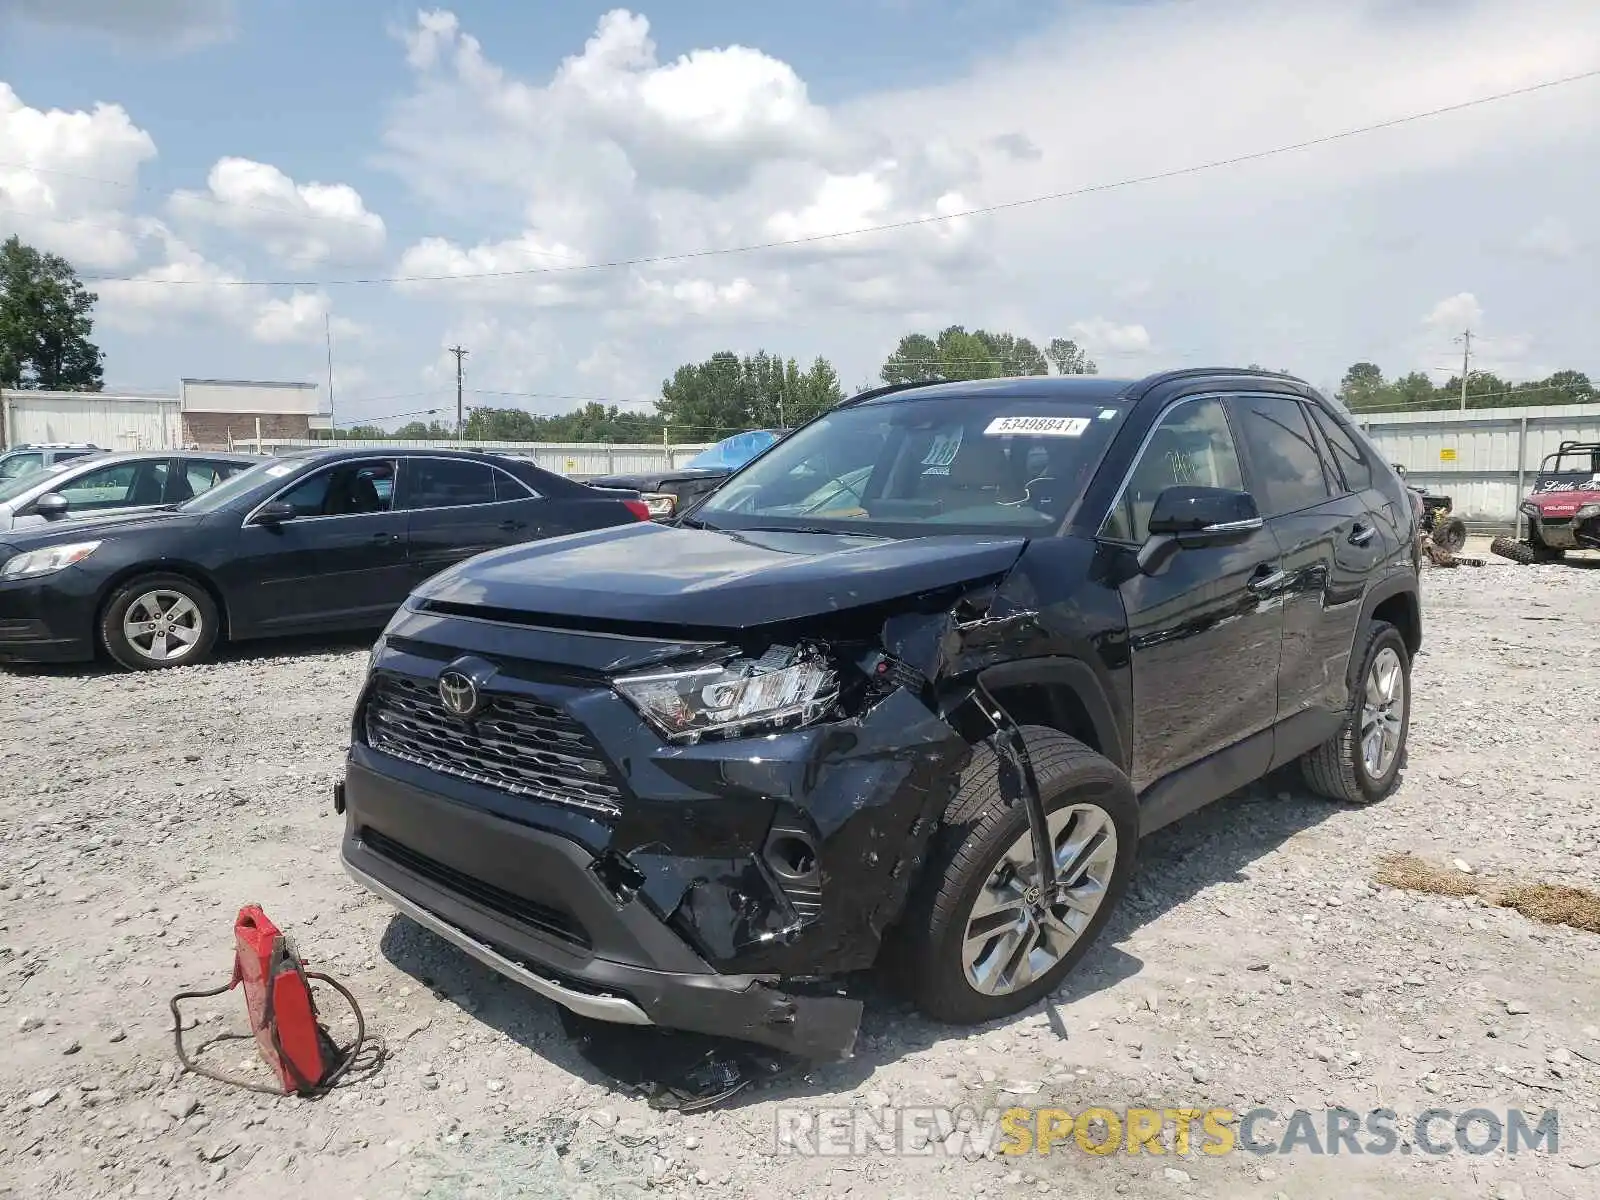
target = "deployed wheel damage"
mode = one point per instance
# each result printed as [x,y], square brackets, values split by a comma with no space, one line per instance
[910,686]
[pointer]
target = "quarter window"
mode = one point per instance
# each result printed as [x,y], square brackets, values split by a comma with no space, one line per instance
[448,483]
[1346,450]
[508,488]
[1286,468]
[1191,446]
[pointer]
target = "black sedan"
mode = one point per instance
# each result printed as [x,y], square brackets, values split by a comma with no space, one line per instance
[318,541]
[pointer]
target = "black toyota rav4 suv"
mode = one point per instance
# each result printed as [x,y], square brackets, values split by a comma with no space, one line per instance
[909,687]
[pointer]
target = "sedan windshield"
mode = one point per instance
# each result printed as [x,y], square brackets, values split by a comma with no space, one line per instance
[905,467]
[12,488]
[229,490]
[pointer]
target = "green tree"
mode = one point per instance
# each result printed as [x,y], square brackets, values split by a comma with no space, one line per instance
[46,317]
[1069,358]
[726,394]
[957,354]
[1362,386]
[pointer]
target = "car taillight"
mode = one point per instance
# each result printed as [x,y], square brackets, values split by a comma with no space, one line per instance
[638,508]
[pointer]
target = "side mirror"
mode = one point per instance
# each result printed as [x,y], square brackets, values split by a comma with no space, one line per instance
[1189,517]
[275,513]
[52,506]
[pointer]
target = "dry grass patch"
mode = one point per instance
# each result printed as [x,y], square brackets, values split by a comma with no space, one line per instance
[1552,904]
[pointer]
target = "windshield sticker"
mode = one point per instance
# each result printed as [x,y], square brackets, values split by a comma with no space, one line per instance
[1037,426]
[1108,414]
[277,469]
[943,451]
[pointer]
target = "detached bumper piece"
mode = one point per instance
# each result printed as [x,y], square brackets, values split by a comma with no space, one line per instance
[541,910]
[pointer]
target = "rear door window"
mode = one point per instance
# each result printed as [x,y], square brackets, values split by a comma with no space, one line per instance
[1287,472]
[447,483]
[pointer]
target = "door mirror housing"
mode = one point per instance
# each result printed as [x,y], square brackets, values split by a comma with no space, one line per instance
[1190,517]
[275,513]
[52,506]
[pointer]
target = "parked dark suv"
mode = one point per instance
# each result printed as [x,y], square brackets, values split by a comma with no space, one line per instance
[911,685]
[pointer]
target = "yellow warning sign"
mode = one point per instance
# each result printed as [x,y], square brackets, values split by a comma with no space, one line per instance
[1448,454]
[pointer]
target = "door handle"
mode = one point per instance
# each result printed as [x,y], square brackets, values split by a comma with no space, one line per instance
[1361,534]
[1266,580]
[385,538]
[513,526]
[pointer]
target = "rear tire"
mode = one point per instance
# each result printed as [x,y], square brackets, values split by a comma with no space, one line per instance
[954,954]
[1345,767]
[158,621]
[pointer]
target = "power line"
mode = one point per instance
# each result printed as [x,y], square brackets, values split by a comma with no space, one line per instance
[937,218]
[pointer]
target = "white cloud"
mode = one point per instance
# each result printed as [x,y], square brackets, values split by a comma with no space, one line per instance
[301,225]
[174,23]
[1455,313]
[1100,336]
[187,286]
[66,177]
[1551,239]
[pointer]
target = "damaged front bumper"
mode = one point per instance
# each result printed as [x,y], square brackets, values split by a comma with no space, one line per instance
[723,887]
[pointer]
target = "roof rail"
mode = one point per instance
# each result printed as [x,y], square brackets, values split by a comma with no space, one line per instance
[887,390]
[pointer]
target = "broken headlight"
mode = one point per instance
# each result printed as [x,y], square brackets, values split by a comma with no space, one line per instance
[739,697]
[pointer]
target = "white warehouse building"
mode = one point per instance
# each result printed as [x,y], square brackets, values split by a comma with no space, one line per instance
[210,414]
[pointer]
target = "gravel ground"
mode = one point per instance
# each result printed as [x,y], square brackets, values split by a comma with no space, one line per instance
[1253,964]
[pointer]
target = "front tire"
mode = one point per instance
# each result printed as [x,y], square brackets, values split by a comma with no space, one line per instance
[159,621]
[1361,764]
[979,941]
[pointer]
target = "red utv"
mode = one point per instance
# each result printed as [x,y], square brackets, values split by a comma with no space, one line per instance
[1563,510]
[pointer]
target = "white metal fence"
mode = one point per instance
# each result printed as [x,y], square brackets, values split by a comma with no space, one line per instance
[566,458]
[1484,459]
[112,421]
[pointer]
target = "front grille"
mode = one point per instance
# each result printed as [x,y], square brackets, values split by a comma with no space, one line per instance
[519,908]
[514,744]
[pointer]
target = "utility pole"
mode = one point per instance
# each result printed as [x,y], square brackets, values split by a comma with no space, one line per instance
[327,334]
[461,423]
[1466,365]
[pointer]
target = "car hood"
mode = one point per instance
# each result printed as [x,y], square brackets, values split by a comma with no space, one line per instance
[655,481]
[87,528]
[657,575]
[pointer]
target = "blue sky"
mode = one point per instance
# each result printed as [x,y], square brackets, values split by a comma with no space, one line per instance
[174,152]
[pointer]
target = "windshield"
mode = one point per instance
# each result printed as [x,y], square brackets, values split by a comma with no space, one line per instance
[732,453]
[1573,470]
[229,490]
[12,488]
[936,465]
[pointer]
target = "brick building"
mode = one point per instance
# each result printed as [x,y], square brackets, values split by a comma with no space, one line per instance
[222,413]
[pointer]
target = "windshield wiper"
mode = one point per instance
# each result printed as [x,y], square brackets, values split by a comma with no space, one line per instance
[807,529]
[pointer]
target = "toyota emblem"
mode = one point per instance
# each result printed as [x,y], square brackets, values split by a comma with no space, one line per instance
[458,694]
